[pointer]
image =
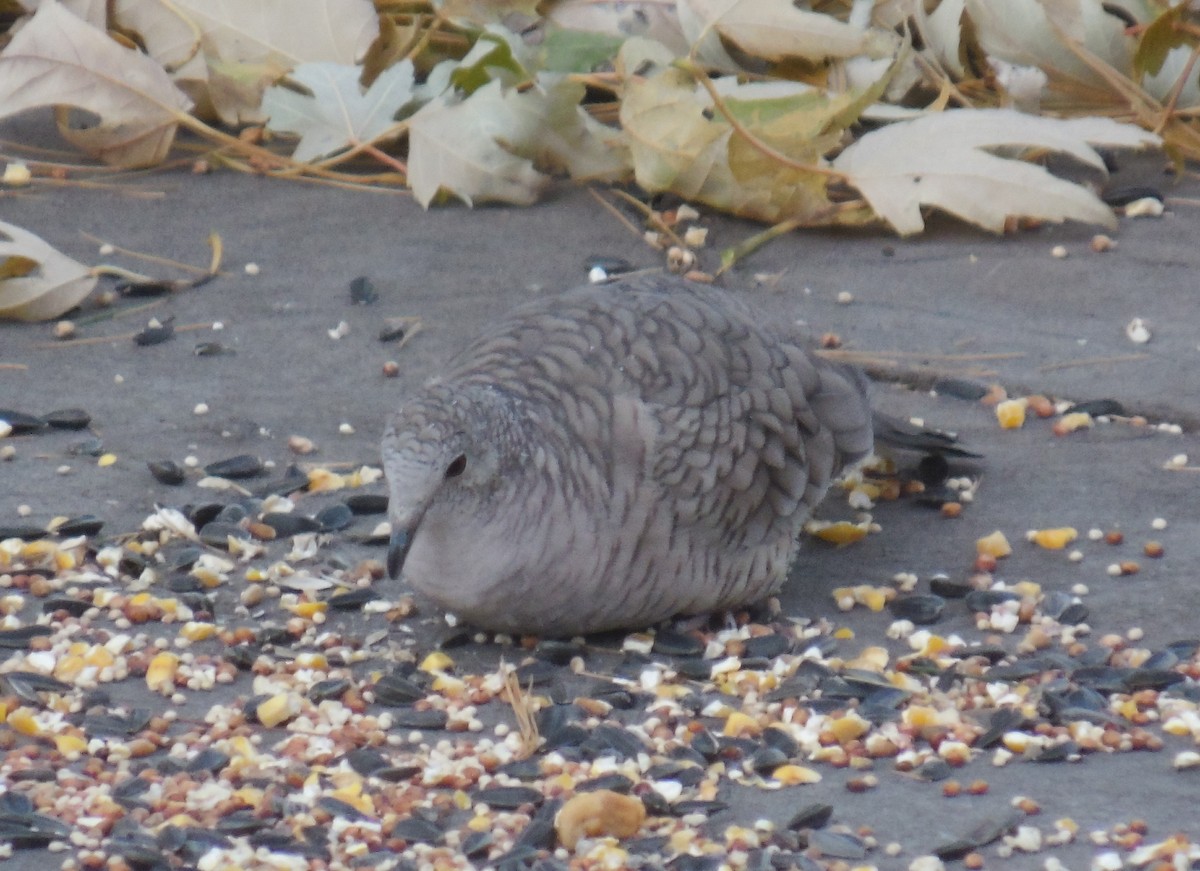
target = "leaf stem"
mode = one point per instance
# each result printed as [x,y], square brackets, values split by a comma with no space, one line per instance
[692,68]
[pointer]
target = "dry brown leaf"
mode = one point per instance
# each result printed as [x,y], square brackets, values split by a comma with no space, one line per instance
[231,51]
[944,160]
[58,60]
[50,286]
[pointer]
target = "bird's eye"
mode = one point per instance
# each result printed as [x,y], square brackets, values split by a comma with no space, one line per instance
[456,467]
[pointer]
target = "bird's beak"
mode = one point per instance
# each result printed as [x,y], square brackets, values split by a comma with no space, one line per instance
[398,547]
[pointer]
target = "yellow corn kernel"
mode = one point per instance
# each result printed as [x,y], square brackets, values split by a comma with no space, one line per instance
[196,631]
[69,745]
[436,661]
[840,533]
[160,675]
[1011,413]
[309,659]
[1176,726]
[739,724]
[849,727]
[993,545]
[919,716]
[21,721]
[1055,539]
[106,460]
[309,609]
[323,480]
[795,775]
[278,709]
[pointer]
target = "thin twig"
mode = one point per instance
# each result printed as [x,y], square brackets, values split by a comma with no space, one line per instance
[121,337]
[13,367]
[112,314]
[149,258]
[651,216]
[523,711]
[616,213]
[1093,361]
[753,141]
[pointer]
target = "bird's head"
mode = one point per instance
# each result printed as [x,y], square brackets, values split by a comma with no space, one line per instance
[440,448]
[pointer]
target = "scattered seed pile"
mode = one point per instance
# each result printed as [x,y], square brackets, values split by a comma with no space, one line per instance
[235,685]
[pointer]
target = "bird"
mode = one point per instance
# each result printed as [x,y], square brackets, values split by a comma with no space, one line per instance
[617,455]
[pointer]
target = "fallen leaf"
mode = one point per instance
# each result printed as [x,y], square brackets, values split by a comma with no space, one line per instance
[336,113]
[39,283]
[58,60]
[497,55]
[1164,53]
[621,19]
[578,51]
[943,160]
[1026,33]
[681,143]
[480,13]
[454,146]
[774,30]
[558,135]
[231,51]
[941,33]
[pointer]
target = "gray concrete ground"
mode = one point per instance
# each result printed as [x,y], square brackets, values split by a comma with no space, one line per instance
[944,304]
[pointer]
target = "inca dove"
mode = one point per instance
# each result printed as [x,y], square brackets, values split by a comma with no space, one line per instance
[616,455]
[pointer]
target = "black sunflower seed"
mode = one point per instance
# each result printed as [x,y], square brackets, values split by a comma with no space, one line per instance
[67,418]
[19,639]
[166,472]
[88,524]
[335,517]
[367,503]
[352,600]
[155,335]
[415,830]
[362,291]
[1100,407]
[25,533]
[508,797]
[921,608]
[21,422]
[236,468]
[408,718]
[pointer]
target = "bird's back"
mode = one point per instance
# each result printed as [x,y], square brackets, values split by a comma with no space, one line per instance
[691,438]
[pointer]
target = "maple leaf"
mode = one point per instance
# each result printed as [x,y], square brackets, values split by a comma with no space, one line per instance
[229,51]
[945,160]
[57,59]
[336,113]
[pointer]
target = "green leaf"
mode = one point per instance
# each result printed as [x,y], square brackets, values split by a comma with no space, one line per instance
[578,51]
[1159,38]
[336,114]
[498,55]
[680,143]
